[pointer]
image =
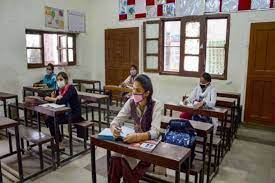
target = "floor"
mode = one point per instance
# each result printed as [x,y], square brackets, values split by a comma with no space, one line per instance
[248,162]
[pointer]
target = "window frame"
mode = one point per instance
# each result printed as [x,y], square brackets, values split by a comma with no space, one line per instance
[59,33]
[203,41]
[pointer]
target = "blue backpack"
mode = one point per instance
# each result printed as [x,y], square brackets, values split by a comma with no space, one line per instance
[180,132]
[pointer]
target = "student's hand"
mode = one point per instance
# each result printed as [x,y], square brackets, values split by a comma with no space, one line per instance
[116,131]
[198,105]
[53,94]
[47,99]
[131,138]
[59,97]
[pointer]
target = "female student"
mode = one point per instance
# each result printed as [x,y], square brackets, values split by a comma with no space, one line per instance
[146,113]
[67,95]
[50,78]
[203,95]
[129,81]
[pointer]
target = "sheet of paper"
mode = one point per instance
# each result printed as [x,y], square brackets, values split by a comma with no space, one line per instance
[140,6]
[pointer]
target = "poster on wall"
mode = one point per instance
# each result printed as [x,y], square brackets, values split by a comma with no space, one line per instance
[76,21]
[54,17]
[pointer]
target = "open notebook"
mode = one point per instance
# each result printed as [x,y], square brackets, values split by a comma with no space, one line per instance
[52,105]
[106,134]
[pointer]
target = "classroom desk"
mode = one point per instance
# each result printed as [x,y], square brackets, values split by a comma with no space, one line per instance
[231,95]
[115,88]
[6,123]
[4,97]
[202,130]
[79,83]
[99,99]
[41,91]
[52,113]
[165,155]
[219,113]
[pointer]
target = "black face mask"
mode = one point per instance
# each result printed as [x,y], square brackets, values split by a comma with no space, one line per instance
[203,86]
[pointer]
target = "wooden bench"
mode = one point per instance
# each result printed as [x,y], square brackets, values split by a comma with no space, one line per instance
[85,125]
[36,138]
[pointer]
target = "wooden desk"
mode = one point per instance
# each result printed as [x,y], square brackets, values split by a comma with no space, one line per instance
[53,113]
[4,97]
[165,155]
[41,91]
[114,88]
[79,82]
[6,123]
[99,99]
[231,95]
[202,130]
[219,113]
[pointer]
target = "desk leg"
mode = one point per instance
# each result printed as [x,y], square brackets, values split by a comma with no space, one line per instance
[223,135]
[1,180]
[38,121]
[108,164]
[108,112]
[99,115]
[203,157]
[5,107]
[57,141]
[93,163]
[26,117]
[177,177]
[17,109]
[188,169]
[19,158]
[24,95]
[209,157]
[87,114]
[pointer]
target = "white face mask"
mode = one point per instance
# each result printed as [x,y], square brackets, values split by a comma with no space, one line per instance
[61,84]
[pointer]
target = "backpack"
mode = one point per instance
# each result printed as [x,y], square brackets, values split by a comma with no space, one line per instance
[180,132]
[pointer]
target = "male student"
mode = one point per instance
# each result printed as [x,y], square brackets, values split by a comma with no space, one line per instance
[203,95]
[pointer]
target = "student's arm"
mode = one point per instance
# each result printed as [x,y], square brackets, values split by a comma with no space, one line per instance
[122,116]
[192,95]
[66,98]
[156,121]
[126,82]
[213,98]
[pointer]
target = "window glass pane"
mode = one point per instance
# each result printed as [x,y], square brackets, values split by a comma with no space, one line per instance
[192,29]
[64,55]
[152,47]
[191,63]
[171,59]
[34,56]
[152,62]
[50,48]
[215,61]
[33,40]
[63,41]
[172,33]
[216,32]
[71,55]
[152,31]
[192,46]
[70,42]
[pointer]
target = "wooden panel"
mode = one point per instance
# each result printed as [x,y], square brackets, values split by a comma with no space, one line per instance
[260,90]
[121,51]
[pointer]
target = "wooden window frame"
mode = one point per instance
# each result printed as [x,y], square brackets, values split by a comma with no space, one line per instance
[42,32]
[203,41]
[145,54]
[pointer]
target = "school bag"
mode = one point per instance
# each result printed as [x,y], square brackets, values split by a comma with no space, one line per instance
[180,132]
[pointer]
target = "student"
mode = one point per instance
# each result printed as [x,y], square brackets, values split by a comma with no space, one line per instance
[146,113]
[50,78]
[203,95]
[67,95]
[129,81]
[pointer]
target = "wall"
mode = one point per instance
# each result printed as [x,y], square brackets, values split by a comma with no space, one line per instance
[16,16]
[171,88]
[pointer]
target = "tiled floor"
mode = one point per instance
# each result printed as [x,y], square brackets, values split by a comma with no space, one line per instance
[247,162]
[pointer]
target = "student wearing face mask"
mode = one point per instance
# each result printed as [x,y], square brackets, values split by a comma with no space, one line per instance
[65,95]
[130,79]
[50,78]
[203,95]
[146,114]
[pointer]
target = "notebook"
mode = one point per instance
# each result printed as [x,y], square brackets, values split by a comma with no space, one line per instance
[107,134]
[52,105]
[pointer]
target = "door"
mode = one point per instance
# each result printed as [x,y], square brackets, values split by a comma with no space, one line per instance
[121,51]
[260,90]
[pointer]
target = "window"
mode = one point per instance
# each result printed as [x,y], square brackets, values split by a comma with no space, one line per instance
[45,47]
[193,45]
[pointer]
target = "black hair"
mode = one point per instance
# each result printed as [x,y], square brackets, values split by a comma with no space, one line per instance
[134,66]
[63,75]
[146,84]
[206,76]
[51,66]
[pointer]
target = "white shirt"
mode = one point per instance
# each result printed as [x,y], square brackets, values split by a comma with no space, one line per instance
[125,114]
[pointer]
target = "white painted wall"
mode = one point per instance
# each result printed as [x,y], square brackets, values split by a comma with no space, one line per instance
[171,88]
[15,17]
